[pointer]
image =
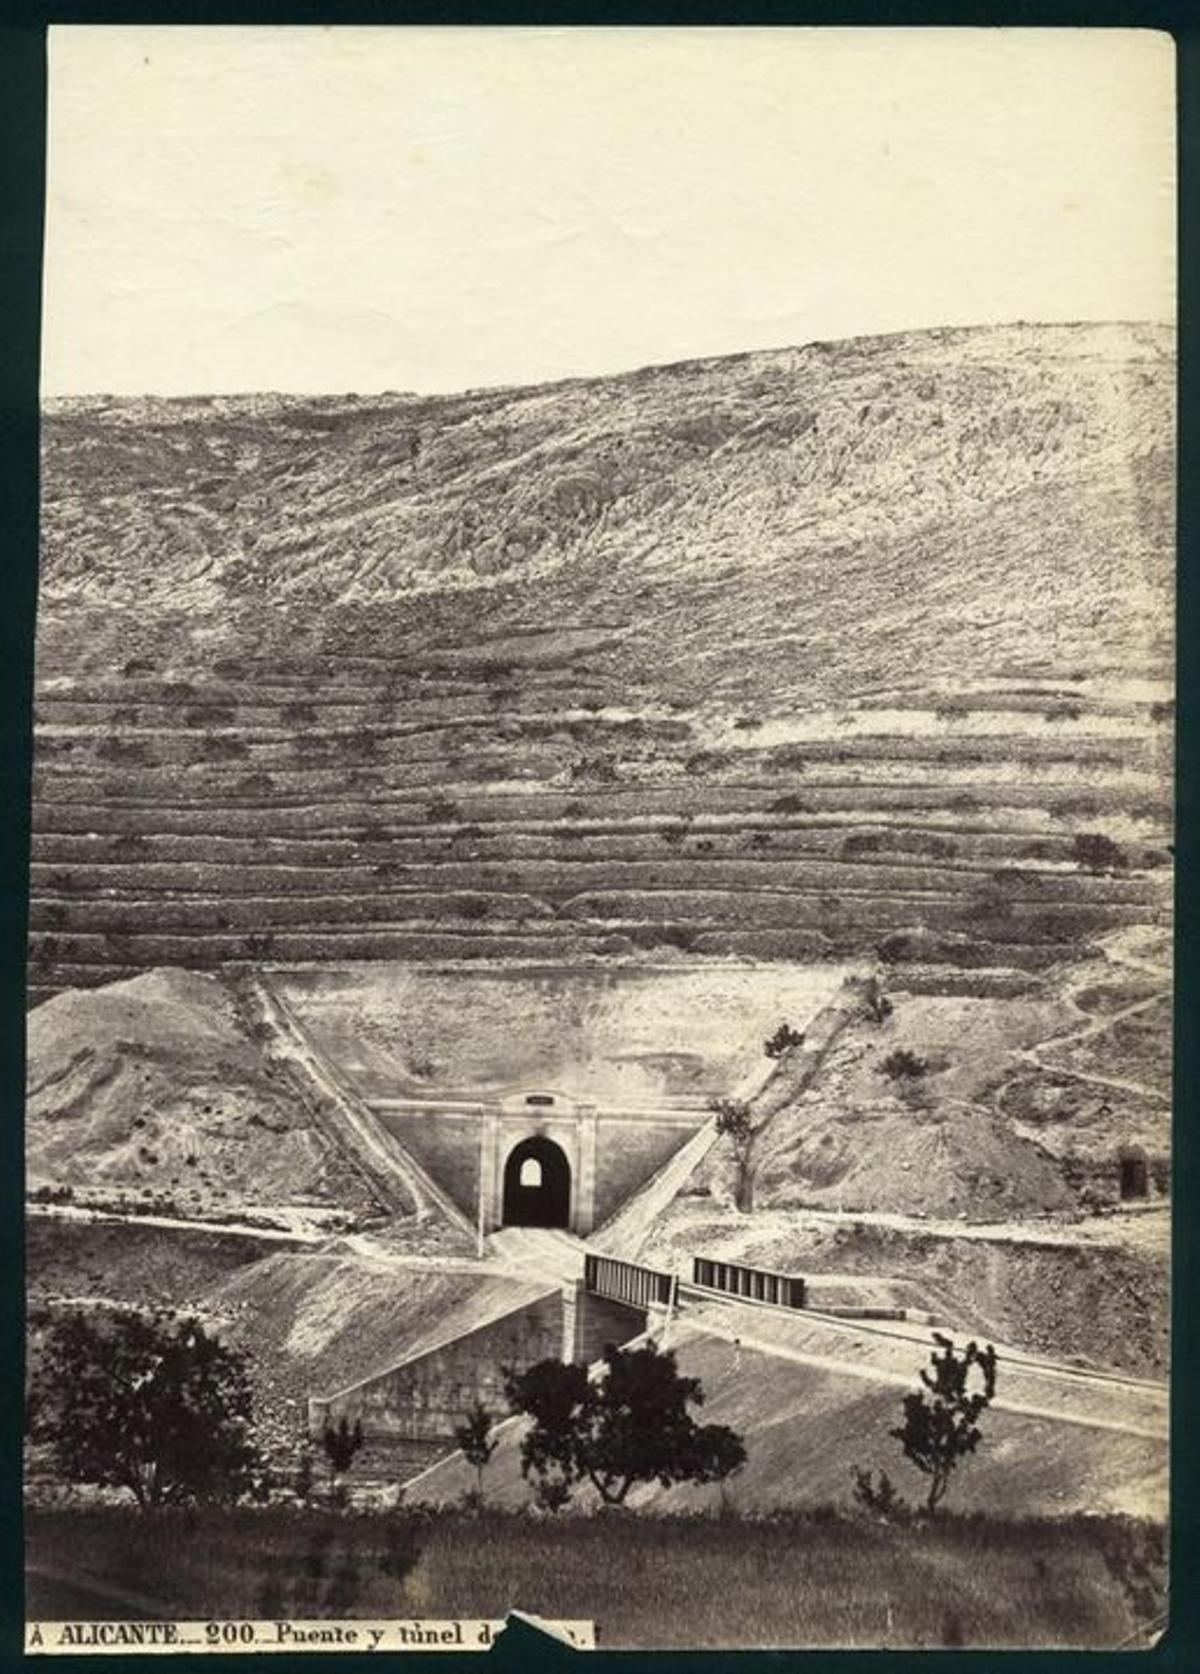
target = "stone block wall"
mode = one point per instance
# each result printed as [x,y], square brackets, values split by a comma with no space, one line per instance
[628,1153]
[428,1397]
[591,1322]
[447,1148]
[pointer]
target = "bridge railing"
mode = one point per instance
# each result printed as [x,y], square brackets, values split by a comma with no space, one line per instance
[626,1281]
[757,1284]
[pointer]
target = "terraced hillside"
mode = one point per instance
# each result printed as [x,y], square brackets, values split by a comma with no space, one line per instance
[792,655]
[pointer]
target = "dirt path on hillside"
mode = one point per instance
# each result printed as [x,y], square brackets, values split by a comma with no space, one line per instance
[1148,1228]
[1093,1027]
[233,1229]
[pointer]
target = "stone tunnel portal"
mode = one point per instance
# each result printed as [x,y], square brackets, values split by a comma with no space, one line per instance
[537,1184]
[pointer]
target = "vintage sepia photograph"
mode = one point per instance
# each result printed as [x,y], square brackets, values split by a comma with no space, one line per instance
[600,959]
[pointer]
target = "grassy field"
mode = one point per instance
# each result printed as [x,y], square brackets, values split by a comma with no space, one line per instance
[814,1580]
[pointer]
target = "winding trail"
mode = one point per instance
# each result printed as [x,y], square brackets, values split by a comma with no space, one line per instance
[1097,1026]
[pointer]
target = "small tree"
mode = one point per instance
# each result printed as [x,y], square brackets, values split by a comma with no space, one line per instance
[158,1407]
[879,1498]
[875,1002]
[783,1040]
[341,1442]
[940,1420]
[629,1425]
[734,1124]
[302,1486]
[476,1443]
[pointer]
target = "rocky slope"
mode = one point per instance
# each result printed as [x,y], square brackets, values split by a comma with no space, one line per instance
[158,1088]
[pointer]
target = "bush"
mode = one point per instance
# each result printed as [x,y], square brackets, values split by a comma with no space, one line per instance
[863,842]
[902,1065]
[218,748]
[880,1499]
[209,715]
[894,950]
[341,1443]
[783,1040]
[255,784]
[600,768]
[1095,852]
[129,751]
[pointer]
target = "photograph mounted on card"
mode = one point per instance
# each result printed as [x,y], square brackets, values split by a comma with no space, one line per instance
[600,972]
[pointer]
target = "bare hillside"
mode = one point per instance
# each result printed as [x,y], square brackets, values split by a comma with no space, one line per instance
[848,476]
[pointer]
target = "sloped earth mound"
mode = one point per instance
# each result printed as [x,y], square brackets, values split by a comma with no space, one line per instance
[940,1162]
[323,1321]
[984,1106]
[1074,1118]
[808,1427]
[864,1134]
[157,1085]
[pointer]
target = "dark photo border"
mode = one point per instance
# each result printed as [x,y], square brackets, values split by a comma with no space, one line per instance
[23,25]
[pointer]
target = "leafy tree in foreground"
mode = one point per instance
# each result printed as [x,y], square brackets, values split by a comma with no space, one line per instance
[144,1403]
[940,1421]
[476,1442]
[627,1425]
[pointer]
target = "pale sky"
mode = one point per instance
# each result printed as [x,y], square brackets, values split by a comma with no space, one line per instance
[343,209]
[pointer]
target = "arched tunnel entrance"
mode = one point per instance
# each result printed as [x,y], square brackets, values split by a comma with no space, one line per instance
[537,1184]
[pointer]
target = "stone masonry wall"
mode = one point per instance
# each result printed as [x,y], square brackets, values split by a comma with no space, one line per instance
[429,1396]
